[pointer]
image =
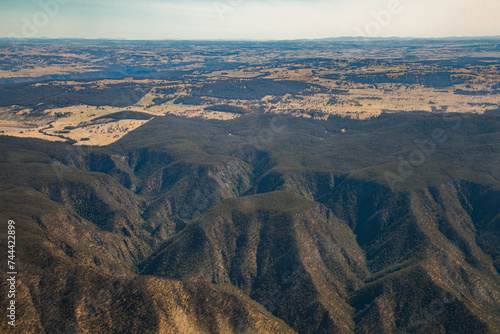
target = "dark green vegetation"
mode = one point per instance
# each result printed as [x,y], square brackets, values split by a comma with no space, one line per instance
[254,89]
[179,224]
[436,80]
[227,108]
[126,114]
[52,95]
[192,100]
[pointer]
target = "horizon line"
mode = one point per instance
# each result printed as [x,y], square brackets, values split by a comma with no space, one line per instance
[357,38]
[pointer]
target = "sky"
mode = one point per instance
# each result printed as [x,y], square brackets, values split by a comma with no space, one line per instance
[247,19]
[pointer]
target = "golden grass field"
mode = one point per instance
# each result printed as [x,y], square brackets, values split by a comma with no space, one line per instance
[362,102]
[359,101]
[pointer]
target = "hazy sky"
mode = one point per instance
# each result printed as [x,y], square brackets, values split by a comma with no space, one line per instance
[248,19]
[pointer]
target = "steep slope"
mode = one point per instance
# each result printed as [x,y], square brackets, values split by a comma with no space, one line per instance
[299,215]
[64,298]
[429,272]
[76,277]
[181,191]
[290,254]
[84,215]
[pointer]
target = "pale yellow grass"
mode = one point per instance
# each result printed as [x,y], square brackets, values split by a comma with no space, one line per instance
[48,70]
[16,129]
[104,134]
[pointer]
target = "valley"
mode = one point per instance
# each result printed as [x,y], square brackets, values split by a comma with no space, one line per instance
[313,187]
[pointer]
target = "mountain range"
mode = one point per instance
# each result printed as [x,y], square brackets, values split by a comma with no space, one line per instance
[260,224]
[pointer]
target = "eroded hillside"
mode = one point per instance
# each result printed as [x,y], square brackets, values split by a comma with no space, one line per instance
[260,224]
